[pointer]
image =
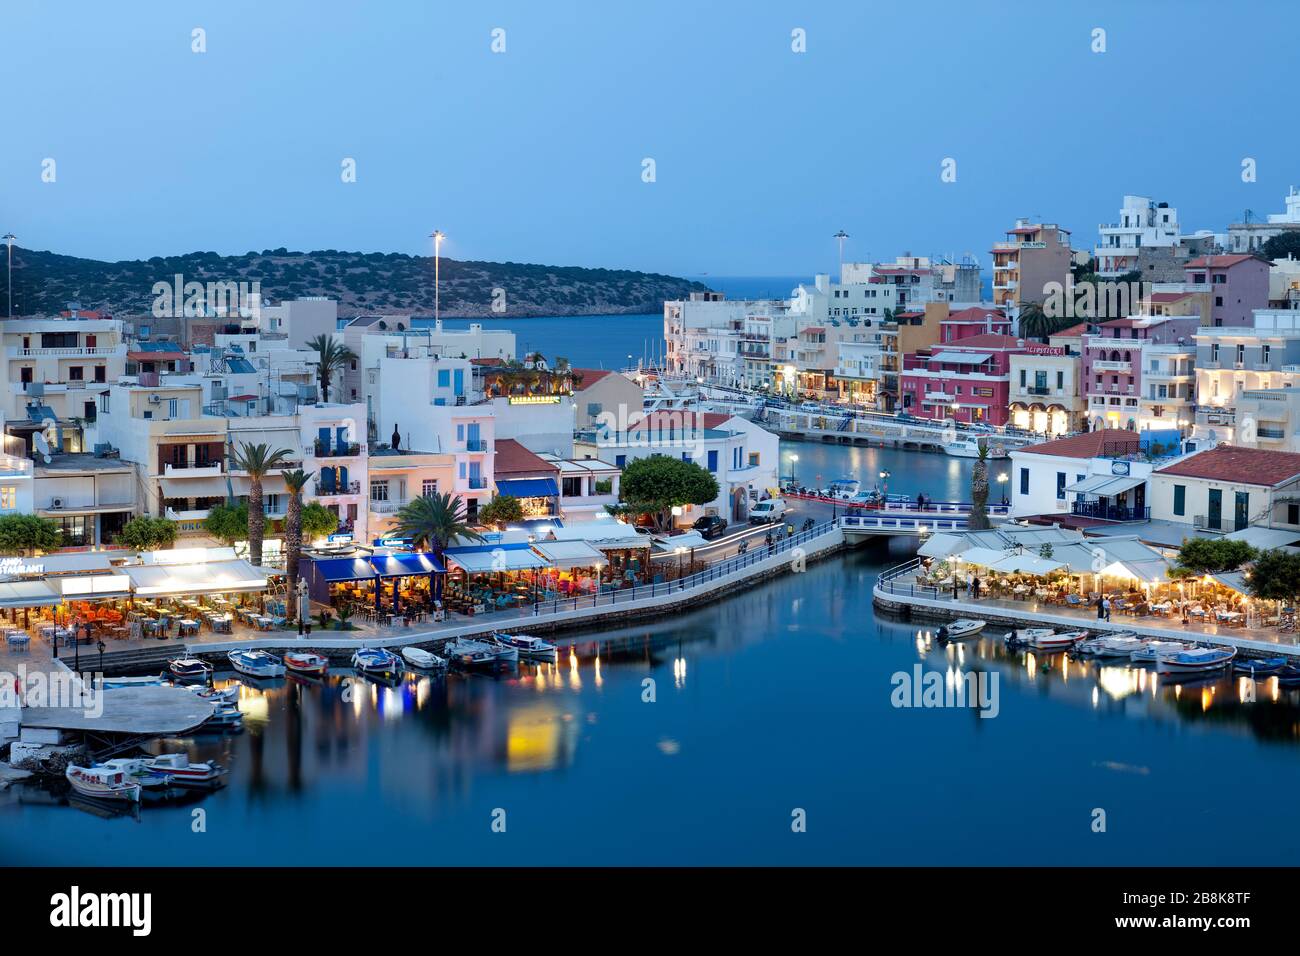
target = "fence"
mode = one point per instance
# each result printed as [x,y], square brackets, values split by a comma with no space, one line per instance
[888,581]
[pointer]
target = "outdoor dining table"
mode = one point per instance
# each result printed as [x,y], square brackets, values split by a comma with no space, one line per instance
[188,626]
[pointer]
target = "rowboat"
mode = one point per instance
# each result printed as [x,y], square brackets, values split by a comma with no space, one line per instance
[189,668]
[375,660]
[177,769]
[1200,660]
[480,655]
[418,657]
[960,629]
[103,783]
[226,717]
[1259,666]
[306,662]
[256,663]
[1044,638]
[1112,645]
[1154,650]
[529,648]
[226,694]
[115,683]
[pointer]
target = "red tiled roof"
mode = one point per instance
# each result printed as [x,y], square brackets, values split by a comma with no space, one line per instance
[976,314]
[683,419]
[1119,323]
[513,458]
[590,376]
[1023,230]
[486,361]
[1087,445]
[1218,262]
[242,398]
[1169,296]
[814,329]
[1246,466]
[1079,329]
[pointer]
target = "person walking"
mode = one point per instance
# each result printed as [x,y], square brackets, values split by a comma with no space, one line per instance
[975,588]
[1101,608]
[1105,603]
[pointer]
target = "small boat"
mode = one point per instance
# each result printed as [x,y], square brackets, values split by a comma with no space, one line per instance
[225,694]
[375,660]
[177,769]
[960,629]
[481,656]
[1259,666]
[963,449]
[134,768]
[115,683]
[189,668]
[256,663]
[418,657]
[1154,650]
[102,783]
[1288,676]
[306,662]
[225,717]
[1044,638]
[530,648]
[845,487]
[1200,660]
[1112,645]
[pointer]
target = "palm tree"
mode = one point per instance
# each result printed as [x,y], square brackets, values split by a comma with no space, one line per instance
[979,490]
[333,356]
[1035,323]
[258,461]
[295,481]
[434,522]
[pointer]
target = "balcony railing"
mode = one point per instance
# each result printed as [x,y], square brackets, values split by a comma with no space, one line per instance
[351,488]
[479,444]
[476,484]
[191,469]
[1106,511]
[336,449]
[389,507]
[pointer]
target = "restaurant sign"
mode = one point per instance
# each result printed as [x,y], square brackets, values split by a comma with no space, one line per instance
[534,399]
[1032,349]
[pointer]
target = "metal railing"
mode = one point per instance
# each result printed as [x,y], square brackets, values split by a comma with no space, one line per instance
[888,582]
[1108,512]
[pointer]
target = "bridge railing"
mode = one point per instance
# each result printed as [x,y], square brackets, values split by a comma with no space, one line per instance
[903,524]
[889,581]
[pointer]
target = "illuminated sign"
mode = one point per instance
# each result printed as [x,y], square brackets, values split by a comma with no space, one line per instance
[534,399]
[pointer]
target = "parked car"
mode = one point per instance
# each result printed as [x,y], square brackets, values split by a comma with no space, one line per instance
[906,417]
[767,512]
[711,526]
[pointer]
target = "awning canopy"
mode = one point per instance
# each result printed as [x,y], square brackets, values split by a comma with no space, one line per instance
[79,562]
[92,585]
[569,554]
[942,545]
[489,559]
[404,565]
[1148,572]
[28,594]
[336,570]
[1235,580]
[1264,539]
[961,358]
[213,576]
[1027,563]
[984,557]
[528,487]
[1105,486]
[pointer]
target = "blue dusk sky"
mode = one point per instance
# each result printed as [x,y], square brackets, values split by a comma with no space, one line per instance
[535,154]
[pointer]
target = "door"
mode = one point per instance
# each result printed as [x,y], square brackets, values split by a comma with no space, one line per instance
[1214,517]
[471,436]
[1240,505]
[323,441]
[341,439]
[1139,502]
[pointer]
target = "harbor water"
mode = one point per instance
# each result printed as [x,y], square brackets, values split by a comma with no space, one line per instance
[764,708]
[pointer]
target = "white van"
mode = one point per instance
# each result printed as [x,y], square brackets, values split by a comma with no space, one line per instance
[767,512]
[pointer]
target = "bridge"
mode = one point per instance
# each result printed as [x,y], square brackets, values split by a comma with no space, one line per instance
[901,517]
[837,426]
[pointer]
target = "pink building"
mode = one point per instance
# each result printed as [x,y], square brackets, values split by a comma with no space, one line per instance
[974,321]
[1237,285]
[1114,360]
[967,376]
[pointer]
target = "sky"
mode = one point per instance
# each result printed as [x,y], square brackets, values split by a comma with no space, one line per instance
[537,153]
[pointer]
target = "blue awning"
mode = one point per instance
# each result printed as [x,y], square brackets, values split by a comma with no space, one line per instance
[334,570]
[528,487]
[401,565]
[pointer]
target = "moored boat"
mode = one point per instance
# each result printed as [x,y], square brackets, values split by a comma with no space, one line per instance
[960,629]
[225,717]
[1259,666]
[1200,660]
[1044,638]
[103,783]
[228,694]
[116,683]
[419,657]
[529,647]
[375,660]
[134,768]
[306,662]
[1288,676]
[177,769]
[1154,650]
[189,668]
[255,663]
[479,655]
[1112,645]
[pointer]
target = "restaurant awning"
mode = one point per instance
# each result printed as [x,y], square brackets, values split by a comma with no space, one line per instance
[1265,539]
[92,585]
[490,559]
[984,557]
[570,554]
[213,576]
[1148,572]
[528,487]
[1105,486]
[1027,563]
[1234,580]
[942,545]
[405,565]
[961,358]
[338,570]
[28,594]
[79,562]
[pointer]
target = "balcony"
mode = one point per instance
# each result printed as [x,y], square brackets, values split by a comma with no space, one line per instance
[15,351]
[476,445]
[476,484]
[1125,367]
[388,507]
[336,449]
[1105,510]
[333,491]
[190,469]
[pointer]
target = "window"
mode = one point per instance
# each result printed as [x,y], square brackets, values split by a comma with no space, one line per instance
[620,460]
[379,491]
[1024,481]
[1293,514]
[593,409]
[429,487]
[1180,499]
[76,373]
[1060,486]
[713,460]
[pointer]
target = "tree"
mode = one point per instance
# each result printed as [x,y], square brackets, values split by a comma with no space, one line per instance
[28,534]
[258,460]
[1034,321]
[227,523]
[1200,556]
[1282,245]
[333,358]
[317,520]
[295,481]
[501,510]
[145,533]
[655,485]
[433,522]
[1276,577]
[979,490]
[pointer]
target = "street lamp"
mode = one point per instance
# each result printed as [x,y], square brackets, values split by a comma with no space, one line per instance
[840,237]
[9,239]
[794,460]
[884,483]
[956,574]
[437,238]
[1002,483]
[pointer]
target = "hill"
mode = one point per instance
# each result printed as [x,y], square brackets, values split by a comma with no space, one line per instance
[45,282]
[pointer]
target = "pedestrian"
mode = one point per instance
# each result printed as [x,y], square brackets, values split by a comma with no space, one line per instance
[1101,608]
[975,588]
[920,501]
[1105,603]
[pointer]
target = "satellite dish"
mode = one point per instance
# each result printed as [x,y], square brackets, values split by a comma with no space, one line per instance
[42,446]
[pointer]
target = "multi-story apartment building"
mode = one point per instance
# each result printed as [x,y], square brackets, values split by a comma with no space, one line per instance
[966,378]
[1114,366]
[916,280]
[714,338]
[858,369]
[1143,224]
[1033,255]
[1046,393]
[56,363]
[16,493]
[90,497]
[1232,360]
[1237,285]
[397,476]
[1263,418]
[1250,236]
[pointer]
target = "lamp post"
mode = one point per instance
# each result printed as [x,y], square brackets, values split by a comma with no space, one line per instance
[437,238]
[840,237]
[9,239]
[794,460]
[1002,483]
[956,574]
[884,485]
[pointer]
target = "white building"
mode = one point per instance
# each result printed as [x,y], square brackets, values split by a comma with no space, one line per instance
[53,365]
[1096,476]
[1246,237]
[1143,223]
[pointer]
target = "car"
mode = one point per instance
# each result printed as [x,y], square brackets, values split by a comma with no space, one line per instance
[984,428]
[906,417]
[711,526]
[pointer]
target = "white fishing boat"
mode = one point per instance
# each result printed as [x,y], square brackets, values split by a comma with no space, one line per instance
[970,448]
[1111,645]
[256,663]
[226,717]
[1044,638]
[1154,650]
[845,487]
[115,683]
[480,655]
[189,668]
[177,769]
[228,694]
[375,660]
[960,629]
[1199,660]
[103,783]
[134,768]
[306,662]
[418,657]
[530,648]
